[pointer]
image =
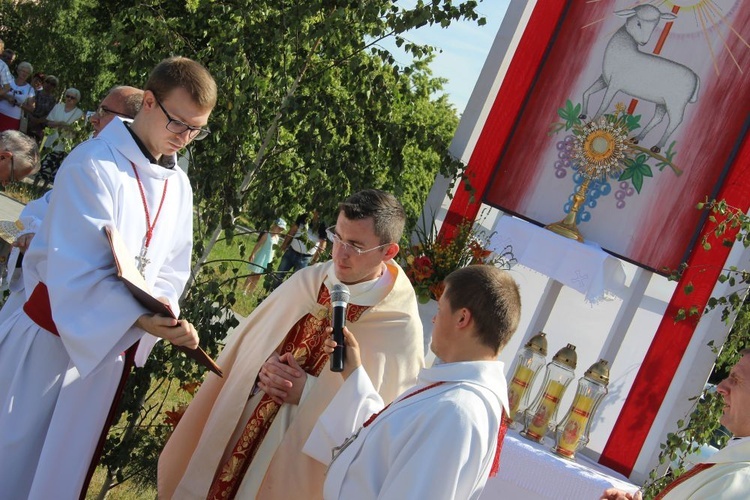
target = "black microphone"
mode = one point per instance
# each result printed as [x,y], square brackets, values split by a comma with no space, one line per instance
[339,301]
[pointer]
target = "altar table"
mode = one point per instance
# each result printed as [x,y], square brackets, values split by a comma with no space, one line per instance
[530,471]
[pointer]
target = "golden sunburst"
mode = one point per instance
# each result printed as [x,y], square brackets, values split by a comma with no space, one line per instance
[600,147]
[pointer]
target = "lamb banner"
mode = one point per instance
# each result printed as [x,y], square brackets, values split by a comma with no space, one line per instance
[679,71]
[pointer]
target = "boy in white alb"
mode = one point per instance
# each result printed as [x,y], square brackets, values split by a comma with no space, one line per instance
[441,438]
[61,356]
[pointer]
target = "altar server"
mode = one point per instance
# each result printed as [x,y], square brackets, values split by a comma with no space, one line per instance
[441,438]
[62,355]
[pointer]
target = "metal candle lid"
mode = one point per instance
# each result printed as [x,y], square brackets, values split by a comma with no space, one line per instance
[538,343]
[599,372]
[567,356]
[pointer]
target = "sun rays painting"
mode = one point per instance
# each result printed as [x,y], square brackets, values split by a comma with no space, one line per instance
[675,75]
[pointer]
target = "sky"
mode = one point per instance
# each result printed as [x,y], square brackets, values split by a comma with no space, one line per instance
[464,47]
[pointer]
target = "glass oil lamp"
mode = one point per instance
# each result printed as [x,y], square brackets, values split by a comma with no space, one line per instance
[530,359]
[573,430]
[557,376]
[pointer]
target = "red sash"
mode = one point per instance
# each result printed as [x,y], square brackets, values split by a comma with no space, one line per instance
[504,421]
[39,309]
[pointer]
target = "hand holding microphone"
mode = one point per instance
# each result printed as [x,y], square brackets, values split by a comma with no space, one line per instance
[339,301]
[351,347]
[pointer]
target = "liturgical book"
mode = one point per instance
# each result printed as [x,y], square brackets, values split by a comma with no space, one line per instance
[128,273]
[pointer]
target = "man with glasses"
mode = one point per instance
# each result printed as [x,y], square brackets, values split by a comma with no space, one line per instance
[122,101]
[63,356]
[242,435]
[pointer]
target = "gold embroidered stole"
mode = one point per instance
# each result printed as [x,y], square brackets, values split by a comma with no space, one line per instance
[305,342]
[692,472]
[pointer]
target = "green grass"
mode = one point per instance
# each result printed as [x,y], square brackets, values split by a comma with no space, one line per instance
[231,259]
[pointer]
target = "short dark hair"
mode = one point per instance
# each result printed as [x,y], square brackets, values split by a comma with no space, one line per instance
[493,298]
[23,147]
[182,72]
[386,212]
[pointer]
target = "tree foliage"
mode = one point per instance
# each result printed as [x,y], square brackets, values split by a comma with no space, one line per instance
[701,427]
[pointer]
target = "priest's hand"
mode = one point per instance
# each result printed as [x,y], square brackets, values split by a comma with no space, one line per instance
[23,242]
[615,494]
[352,359]
[282,378]
[179,332]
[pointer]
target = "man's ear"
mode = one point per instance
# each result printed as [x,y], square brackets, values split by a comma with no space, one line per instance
[149,99]
[391,252]
[464,318]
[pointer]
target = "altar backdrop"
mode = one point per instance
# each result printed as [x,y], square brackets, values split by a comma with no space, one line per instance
[703,74]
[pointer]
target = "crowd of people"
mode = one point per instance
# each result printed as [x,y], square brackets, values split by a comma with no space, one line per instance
[31,102]
[279,423]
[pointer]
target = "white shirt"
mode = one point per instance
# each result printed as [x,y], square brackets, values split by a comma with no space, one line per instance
[439,443]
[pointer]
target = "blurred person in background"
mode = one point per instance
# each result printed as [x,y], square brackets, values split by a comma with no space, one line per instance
[44,101]
[5,76]
[37,81]
[20,98]
[8,56]
[60,120]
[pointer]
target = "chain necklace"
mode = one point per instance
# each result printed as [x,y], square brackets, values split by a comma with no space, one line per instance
[142,260]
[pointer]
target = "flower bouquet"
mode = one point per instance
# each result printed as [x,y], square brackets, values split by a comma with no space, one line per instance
[434,256]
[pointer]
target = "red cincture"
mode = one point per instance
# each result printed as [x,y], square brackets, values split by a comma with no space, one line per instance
[142,260]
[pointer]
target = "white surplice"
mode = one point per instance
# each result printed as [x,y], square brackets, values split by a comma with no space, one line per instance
[728,479]
[56,391]
[439,443]
[31,219]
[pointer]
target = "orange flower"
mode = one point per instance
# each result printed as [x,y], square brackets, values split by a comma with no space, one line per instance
[173,417]
[190,387]
[437,289]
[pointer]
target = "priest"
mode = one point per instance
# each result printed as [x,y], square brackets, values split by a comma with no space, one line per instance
[442,437]
[242,435]
[63,355]
[725,475]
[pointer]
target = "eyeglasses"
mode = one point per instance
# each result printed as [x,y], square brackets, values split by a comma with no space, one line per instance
[103,111]
[179,127]
[336,239]
[70,97]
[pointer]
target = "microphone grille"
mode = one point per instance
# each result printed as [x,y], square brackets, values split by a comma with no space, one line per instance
[340,293]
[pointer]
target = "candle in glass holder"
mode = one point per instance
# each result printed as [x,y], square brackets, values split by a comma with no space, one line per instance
[542,411]
[573,430]
[530,360]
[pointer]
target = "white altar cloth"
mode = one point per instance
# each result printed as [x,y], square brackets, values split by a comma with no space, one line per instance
[529,471]
[584,267]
